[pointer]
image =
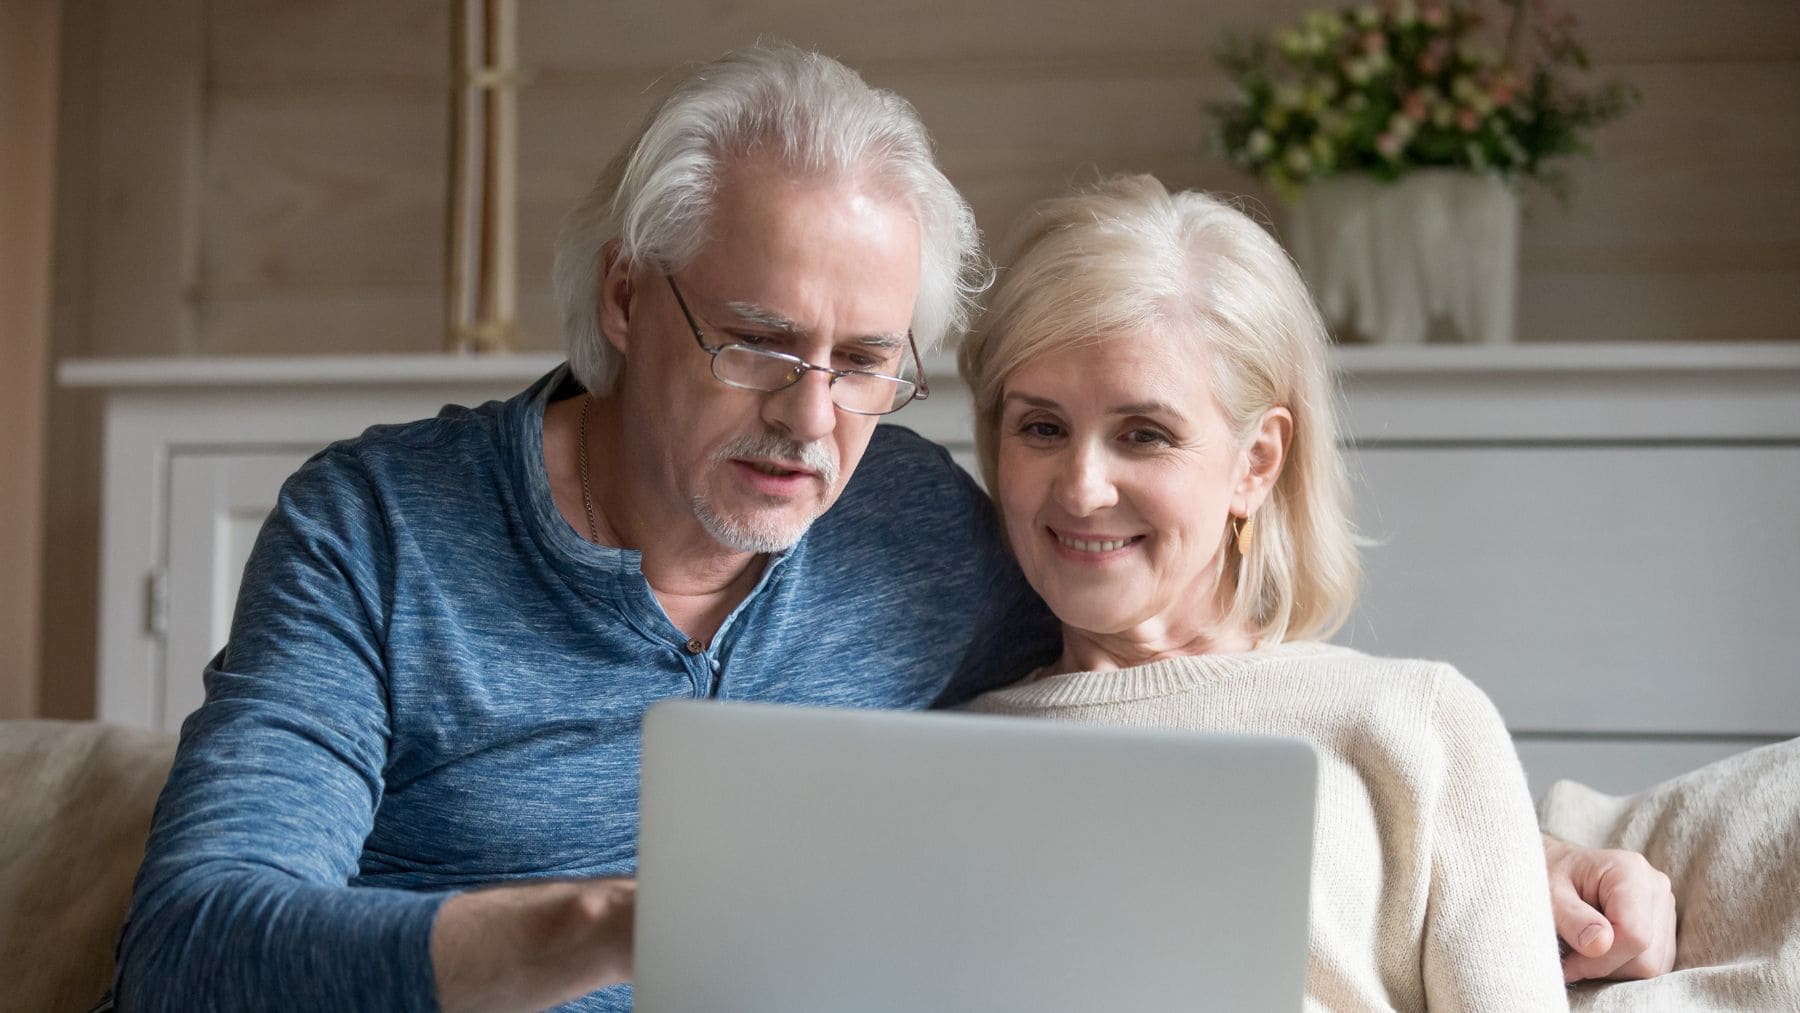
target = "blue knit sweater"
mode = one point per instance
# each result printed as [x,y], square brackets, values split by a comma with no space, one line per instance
[432,682]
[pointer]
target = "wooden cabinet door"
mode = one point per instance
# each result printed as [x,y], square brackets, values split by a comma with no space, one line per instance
[217,504]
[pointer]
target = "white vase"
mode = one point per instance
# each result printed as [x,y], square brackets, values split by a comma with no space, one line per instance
[1432,255]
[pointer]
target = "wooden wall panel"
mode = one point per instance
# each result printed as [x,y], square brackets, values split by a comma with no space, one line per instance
[325,145]
[321,185]
[146,204]
[1649,306]
[1704,176]
[28,80]
[635,44]
[307,192]
[274,46]
[265,177]
[323,322]
[1677,31]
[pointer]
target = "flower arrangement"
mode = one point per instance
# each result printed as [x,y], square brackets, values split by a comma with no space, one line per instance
[1410,85]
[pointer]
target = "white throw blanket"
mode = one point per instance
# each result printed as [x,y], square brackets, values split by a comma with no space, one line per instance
[1728,835]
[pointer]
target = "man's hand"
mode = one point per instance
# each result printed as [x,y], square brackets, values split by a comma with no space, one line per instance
[1614,911]
[533,945]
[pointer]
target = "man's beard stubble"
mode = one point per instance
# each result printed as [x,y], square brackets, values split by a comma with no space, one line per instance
[762,531]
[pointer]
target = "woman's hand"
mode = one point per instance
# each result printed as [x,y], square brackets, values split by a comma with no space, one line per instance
[1615,912]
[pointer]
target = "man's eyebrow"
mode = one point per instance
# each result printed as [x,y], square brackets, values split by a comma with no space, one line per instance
[761,316]
[751,313]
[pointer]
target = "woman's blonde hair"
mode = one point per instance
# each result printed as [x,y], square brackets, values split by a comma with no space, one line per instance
[1125,256]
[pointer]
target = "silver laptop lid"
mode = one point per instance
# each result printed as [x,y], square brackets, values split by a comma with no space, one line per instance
[799,859]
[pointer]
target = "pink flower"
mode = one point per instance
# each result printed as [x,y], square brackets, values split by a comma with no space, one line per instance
[1504,88]
[1435,56]
[1374,42]
[1414,105]
[1390,146]
[1469,120]
[1434,15]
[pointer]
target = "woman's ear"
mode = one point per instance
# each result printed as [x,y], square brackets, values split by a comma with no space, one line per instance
[613,291]
[1263,460]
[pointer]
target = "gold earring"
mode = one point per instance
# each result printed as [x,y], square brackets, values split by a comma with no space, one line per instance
[1242,529]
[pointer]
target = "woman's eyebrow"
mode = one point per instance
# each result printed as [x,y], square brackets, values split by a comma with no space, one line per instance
[1030,400]
[1132,408]
[1147,408]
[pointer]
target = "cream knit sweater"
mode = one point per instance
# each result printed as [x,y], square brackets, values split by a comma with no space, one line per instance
[1428,883]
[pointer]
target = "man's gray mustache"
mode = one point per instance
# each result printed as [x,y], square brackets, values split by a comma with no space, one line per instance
[817,457]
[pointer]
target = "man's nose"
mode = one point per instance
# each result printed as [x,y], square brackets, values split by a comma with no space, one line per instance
[803,409]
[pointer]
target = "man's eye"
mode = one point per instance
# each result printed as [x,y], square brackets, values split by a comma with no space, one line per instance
[753,340]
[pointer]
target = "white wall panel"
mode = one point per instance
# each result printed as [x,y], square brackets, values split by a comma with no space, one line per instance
[1612,588]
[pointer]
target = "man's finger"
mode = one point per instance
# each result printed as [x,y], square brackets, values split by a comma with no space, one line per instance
[1584,929]
[1639,903]
[1579,968]
[1614,911]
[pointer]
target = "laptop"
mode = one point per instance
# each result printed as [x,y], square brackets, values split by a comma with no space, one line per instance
[803,859]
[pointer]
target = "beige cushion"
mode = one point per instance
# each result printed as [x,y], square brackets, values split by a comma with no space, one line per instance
[1728,835]
[75,803]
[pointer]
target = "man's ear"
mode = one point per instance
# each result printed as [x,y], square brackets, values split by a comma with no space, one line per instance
[613,292]
[1263,460]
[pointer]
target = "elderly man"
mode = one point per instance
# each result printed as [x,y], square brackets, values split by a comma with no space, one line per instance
[449,630]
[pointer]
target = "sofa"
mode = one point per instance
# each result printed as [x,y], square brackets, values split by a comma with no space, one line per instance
[76,800]
[75,804]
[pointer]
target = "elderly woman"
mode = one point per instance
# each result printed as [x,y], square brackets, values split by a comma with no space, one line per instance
[1154,416]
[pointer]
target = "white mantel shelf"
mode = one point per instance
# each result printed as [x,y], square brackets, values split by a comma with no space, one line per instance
[304,371]
[1769,359]
[1454,393]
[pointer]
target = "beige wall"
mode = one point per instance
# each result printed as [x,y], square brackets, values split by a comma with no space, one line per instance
[268,177]
[28,48]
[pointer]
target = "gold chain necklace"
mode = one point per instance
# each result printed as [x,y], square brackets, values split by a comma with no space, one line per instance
[581,454]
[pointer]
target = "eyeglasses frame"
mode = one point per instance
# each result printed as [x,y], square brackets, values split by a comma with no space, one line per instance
[921,390]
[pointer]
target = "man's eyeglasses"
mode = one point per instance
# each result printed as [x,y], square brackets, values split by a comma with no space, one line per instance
[858,391]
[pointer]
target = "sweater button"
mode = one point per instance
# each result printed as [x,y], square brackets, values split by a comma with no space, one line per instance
[695,646]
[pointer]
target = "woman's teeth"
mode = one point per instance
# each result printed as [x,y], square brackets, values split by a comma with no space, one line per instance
[1083,545]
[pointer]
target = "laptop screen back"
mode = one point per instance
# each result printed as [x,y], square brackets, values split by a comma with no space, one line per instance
[796,859]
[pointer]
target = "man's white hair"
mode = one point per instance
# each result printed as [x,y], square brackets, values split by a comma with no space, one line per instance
[813,117]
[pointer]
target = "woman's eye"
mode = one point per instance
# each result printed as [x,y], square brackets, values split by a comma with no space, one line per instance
[1041,430]
[1148,438]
